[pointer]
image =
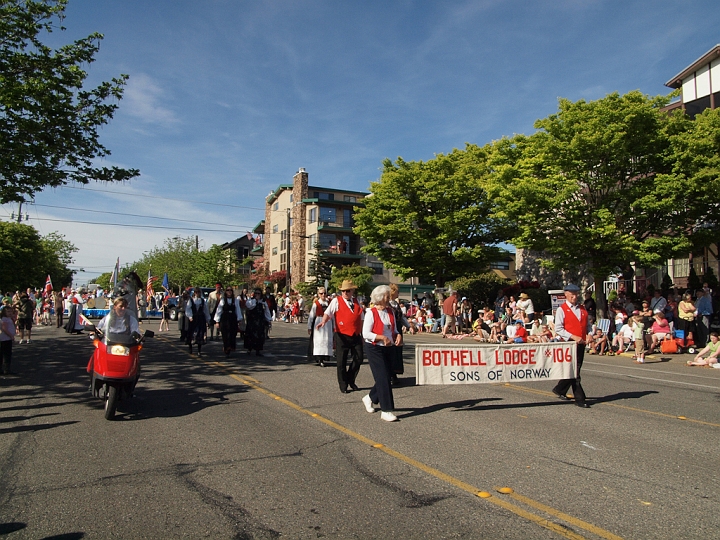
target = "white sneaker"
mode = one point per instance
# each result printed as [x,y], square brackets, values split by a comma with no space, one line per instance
[716,366]
[388,416]
[368,404]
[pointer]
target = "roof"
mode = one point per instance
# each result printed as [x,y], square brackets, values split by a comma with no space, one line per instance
[259,228]
[712,54]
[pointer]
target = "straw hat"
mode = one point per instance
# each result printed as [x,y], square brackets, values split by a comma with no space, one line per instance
[524,296]
[347,285]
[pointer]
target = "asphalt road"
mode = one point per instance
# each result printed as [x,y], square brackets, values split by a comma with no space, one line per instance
[269,448]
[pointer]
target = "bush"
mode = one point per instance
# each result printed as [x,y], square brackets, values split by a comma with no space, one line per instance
[480,289]
[710,279]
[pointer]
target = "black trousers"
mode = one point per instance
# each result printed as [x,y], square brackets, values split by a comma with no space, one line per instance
[564,385]
[348,346]
[381,360]
[6,354]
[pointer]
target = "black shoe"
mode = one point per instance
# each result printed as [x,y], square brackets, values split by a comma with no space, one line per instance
[344,390]
[190,348]
[354,386]
[561,396]
[394,381]
[582,404]
[321,364]
[259,353]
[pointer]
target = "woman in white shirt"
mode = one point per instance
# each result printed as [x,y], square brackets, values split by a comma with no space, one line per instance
[381,336]
[7,336]
[228,314]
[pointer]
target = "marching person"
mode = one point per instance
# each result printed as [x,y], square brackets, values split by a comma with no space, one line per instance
[571,324]
[59,307]
[198,315]
[212,302]
[381,341]
[228,314]
[321,339]
[257,317]
[182,321]
[347,314]
[401,322]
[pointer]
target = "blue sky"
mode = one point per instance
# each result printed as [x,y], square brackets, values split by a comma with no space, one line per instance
[227,99]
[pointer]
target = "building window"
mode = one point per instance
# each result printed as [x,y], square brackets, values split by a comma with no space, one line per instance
[348,218]
[349,198]
[324,196]
[291,197]
[245,252]
[274,251]
[500,265]
[275,229]
[283,260]
[327,241]
[377,267]
[327,215]
[313,215]
[276,206]
[312,240]
[283,240]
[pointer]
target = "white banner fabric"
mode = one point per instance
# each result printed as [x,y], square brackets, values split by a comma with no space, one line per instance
[473,364]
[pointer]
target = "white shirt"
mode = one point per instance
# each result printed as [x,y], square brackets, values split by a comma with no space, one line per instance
[197,302]
[221,306]
[117,323]
[369,322]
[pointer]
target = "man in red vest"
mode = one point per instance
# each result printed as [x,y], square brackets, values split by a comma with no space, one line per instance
[348,315]
[571,324]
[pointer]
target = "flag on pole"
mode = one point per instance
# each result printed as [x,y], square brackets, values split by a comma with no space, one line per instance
[115,272]
[149,287]
[48,286]
[166,284]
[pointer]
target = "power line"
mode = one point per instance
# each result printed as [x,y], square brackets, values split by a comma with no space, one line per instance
[135,215]
[236,231]
[164,198]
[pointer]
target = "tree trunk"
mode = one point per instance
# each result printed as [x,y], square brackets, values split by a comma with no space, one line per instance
[600,300]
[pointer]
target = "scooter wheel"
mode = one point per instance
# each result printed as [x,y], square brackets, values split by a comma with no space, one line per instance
[691,350]
[111,402]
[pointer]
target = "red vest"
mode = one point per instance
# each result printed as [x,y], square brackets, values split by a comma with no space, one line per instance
[572,324]
[319,309]
[348,322]
[379,327]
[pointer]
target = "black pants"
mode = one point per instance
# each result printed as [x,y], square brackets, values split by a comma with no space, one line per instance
[703,330]
[564,385]
[6,354]
[347,346]
[381,361]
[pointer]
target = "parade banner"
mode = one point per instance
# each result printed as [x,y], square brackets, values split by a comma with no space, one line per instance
[473,364]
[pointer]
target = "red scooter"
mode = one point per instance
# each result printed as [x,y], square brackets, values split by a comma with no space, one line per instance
[114,366]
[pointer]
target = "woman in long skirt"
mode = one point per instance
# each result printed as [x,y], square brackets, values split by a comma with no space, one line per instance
[320,349]
[198,316]
[257,316]
[228,315]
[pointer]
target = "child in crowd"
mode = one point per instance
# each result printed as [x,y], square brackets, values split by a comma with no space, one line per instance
[599,343]
[639,337]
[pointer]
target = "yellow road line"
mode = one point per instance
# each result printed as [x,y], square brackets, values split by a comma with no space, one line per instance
[469,488]
[645,411]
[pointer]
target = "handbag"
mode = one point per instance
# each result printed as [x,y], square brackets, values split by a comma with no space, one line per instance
[668,346]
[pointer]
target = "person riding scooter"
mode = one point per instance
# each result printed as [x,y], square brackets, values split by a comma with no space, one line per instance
[120,320]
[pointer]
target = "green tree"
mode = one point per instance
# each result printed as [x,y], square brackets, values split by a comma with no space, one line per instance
[586,188]
[361,276]
[480,289]
[431,219]
[320,266]
[26,258]
[58,256]
[695,158]
[48,121]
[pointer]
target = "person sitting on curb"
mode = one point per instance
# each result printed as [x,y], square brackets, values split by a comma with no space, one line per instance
[713,347]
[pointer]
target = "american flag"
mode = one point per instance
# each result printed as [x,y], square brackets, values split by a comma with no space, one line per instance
[149,287]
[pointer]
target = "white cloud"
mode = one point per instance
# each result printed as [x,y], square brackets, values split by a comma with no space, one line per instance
[144,99]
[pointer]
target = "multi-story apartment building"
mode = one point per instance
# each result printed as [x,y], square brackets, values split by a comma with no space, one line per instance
[299,216]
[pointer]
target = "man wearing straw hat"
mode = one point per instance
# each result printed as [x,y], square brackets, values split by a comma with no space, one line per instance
[348,316]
